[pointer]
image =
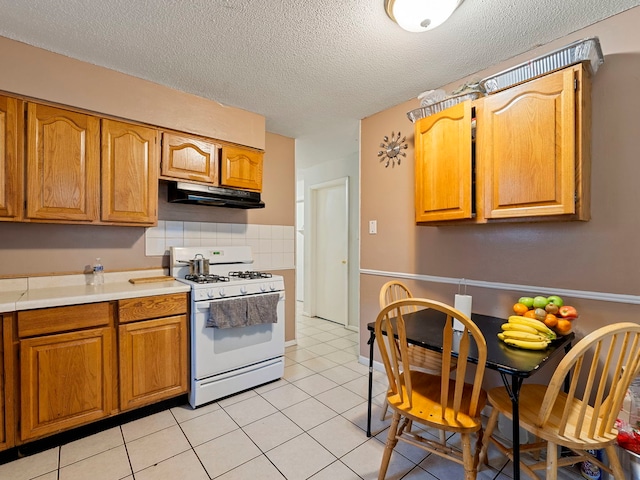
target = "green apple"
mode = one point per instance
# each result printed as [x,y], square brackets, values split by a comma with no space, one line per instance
[555,300]
[528,301]
[540,302]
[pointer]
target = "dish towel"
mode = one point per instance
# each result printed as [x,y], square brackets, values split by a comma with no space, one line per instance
[228,313]
[263,309]
[244,311]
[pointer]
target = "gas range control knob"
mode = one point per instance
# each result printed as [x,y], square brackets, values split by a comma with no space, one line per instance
[210,293]
[221,292]
[272,287]
[263,287]
[243,290]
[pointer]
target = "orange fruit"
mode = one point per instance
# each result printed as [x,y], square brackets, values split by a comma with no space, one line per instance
[550,320]
[520,308]
[563,326]
[530,314]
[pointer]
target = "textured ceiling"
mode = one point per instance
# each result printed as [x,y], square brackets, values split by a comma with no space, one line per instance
[308,66]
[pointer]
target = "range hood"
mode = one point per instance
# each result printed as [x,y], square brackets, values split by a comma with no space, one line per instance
[184,192]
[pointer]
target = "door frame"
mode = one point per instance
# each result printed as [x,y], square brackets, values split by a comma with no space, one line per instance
[312,231]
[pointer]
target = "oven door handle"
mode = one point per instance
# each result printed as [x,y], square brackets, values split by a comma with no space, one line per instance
[206,305]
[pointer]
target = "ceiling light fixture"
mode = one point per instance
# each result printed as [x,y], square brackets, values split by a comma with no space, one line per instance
[420,15]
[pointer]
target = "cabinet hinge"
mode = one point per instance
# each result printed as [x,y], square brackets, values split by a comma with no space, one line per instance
[575,84]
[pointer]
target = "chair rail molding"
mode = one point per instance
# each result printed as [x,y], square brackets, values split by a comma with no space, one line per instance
[602,296]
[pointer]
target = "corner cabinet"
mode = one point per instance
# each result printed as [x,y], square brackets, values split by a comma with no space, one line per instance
[130,162]
[11,159]
[241,167]
[530,160]
[153,354]
[63,165]
[66,367]
[189,158]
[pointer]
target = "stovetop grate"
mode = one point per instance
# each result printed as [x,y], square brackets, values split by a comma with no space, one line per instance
[250,275]
[206,278]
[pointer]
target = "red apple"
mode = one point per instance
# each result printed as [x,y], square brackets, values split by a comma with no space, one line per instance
[567,311]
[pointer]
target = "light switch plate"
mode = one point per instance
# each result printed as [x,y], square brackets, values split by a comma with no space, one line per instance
[373,227]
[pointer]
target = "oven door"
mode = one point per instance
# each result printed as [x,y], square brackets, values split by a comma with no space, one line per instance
[218,350]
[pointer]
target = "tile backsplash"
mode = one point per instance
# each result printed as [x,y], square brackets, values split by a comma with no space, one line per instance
[272,245]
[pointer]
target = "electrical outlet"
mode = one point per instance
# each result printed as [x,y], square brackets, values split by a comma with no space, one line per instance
[373,227]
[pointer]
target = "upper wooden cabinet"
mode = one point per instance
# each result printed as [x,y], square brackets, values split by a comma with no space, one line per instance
[530,138]
[11,160]
[63,165]
[443,165]
[531,159]
[189,158]
[130,163]
[241,168]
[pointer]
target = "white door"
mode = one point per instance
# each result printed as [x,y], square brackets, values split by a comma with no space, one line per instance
[330,250]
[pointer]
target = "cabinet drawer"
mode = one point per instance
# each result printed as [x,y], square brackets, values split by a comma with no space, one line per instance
[61,319]
[133,309]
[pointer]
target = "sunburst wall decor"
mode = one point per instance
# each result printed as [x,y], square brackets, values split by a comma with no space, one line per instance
[392,149]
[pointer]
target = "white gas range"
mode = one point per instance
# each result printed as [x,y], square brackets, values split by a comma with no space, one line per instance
[233,358]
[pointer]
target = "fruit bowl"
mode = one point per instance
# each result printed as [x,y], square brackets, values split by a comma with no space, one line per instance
[550,310]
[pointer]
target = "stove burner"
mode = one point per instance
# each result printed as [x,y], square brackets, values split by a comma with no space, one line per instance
[206,278]
[250,275]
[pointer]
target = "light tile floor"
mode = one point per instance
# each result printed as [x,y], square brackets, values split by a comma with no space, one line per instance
[309,425]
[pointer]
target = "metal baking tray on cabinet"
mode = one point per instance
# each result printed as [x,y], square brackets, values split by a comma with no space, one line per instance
[428,110]
[587,50]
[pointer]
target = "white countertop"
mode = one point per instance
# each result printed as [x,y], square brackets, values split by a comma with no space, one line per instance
[55,291]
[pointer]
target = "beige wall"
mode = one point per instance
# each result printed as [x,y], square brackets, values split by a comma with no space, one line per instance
[35,249]
[592,258]
[40,74]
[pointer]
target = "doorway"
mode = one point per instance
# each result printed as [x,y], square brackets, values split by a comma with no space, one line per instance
[330,250]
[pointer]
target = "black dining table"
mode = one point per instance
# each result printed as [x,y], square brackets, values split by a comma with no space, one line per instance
[424,329]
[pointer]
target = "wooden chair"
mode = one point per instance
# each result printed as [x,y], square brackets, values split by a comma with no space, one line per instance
[603,363]
[420,358]
[442,401]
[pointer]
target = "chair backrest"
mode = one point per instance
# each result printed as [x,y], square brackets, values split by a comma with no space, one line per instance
[391,320]
[607,360]
[394,290]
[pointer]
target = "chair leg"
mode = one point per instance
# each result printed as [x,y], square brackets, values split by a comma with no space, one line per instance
[385,407]
[467,457]
[552,461]
[390,445]
[491,425]
[614,462]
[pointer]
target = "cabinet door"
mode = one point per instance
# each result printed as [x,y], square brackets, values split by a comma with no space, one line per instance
[527,143]
[7,425]
[443,172]
[11,160]
[63,165]
[153,360]
[66,381]
[241,168]
[130,163]
[188,158]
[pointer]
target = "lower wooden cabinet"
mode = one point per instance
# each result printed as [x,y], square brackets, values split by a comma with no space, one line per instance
[73,370]
[153,352]
[153,360]
[7,424]
[66,379]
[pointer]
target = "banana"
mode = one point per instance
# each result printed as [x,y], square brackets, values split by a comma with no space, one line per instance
[537,324]
[526,345]
[519,327]
[516,335]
